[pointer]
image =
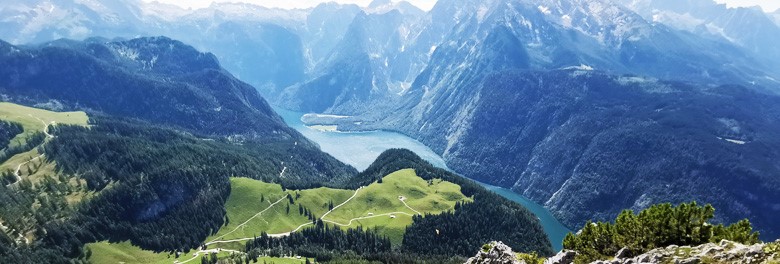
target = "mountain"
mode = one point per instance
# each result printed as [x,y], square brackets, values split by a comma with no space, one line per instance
[749,28]
[269,48]
[33,21]
[156,79]
[575,139]
[149,192]
[358,69]
[776,17]
[487,100]
[151,167]
[584,106]
[259,45]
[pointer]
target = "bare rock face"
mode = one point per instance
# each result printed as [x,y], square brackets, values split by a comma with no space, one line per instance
[494,253]
[724,252]
[563,257]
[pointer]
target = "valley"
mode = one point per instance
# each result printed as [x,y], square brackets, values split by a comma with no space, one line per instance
[358,149]
[140,131]
[156,176]
[352,147]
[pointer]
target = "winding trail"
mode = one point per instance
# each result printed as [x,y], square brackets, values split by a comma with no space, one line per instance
[365,217]
[48,137]
[45,126]
[250,219]
[208,251]
[217,241]
[337,206]
[403,200]
[19,167]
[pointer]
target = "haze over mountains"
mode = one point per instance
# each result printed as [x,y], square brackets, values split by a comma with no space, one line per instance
[585,106]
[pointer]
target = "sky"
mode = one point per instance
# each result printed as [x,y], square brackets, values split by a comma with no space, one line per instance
[767,5]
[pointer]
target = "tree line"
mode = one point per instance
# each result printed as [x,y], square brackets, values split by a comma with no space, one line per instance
[161,189]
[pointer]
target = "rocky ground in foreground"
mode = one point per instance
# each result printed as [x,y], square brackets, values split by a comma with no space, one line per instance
[723,252]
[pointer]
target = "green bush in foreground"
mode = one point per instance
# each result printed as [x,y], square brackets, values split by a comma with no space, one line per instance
[658,226]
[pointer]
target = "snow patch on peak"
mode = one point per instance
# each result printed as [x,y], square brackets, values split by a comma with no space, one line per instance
[545,10]
[566,21]
[481,13]
[581,67]
[127,53]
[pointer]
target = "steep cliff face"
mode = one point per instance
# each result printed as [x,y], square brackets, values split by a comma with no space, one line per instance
[573,140]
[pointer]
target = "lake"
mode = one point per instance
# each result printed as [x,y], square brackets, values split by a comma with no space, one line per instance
[360,149]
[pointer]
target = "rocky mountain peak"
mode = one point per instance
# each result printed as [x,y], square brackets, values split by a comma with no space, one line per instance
[379,3]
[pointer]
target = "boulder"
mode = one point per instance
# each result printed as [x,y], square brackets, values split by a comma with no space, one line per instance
[494,253]
[563,257]
[623,253]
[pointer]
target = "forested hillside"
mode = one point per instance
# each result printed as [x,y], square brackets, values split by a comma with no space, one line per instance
[572,140]
[156,79]
[489,216]
[159,188]
[164,190]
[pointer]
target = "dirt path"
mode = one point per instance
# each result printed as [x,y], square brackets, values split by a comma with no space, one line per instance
[403,200]
[337,206]
[45,126]
[216,241]
[206,252]
[365,217]
[19,168]
[250,219]
[48,137]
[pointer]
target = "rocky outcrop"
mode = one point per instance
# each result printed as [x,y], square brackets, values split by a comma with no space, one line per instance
[495,253]
[723,252]
[563,257]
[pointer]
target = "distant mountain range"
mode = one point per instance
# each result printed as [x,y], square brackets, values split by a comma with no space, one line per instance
[553,98]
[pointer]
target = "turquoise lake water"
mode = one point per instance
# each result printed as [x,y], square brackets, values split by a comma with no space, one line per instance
[360,149]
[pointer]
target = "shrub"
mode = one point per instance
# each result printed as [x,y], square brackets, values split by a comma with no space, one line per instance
[658,226]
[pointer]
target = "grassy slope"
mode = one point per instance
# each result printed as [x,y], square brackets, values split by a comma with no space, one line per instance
[105,252]
[29,117]
[33,120]
[245,201]
[382,198]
